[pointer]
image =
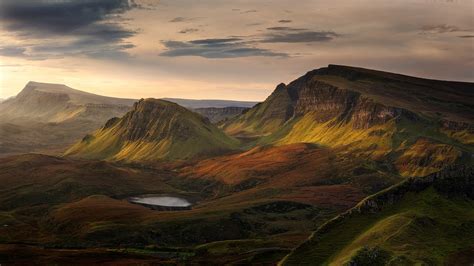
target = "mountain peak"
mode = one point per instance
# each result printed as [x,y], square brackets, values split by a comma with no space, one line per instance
[154,129]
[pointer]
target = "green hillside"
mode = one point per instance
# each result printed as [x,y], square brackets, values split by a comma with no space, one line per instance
[418,125]
[422,221]
[153,130]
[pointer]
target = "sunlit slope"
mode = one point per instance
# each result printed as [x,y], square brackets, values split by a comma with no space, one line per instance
[153,130]
[420,125]
[420,221]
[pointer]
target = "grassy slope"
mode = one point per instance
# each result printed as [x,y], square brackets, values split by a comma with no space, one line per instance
[420,227]
[203,138]
[417,147]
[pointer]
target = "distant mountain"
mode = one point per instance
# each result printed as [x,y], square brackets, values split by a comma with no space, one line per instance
[193,104]
[216,114]
[422,125]
[56,103]
[421,221]
[50,117]
[152,130]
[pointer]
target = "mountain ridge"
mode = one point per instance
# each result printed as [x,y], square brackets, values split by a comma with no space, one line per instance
[388,116]
[154,129]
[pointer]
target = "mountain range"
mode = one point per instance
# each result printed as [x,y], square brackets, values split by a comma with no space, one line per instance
[342,166]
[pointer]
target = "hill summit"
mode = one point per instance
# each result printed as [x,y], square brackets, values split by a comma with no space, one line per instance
[421,125]
[152,130]
[56,103]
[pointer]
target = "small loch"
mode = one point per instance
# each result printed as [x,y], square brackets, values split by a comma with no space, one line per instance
[162,202]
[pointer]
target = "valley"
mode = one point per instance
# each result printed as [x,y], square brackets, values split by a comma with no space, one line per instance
[339,164]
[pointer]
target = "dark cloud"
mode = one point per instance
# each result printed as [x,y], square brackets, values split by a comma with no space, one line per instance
[12,51]
[182,19]
[87,24]
[466,36]
[215,48]
[188,30]
[286,29]
[285,21]
[58,16]
[299,36]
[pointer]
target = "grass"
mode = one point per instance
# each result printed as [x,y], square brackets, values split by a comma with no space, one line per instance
[422,228]
[173,133]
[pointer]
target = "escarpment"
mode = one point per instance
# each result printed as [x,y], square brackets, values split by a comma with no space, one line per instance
[377,114]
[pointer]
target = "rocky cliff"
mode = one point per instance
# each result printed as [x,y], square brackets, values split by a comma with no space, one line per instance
[383,115]
[154,130]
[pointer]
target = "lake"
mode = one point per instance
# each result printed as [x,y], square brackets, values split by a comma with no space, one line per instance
[164,202]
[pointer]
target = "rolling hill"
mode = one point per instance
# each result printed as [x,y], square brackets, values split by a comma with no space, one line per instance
[154,130]
[420,125]
[425,220]
[341,165]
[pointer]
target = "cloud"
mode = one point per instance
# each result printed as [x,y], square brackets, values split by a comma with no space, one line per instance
[441,28]
[216,48]
[286,29]
[188,30]
[249,11]
[466,36]
[178,19]
[296,35]
[12,51]
[285,21]
[85,24]
[182,19]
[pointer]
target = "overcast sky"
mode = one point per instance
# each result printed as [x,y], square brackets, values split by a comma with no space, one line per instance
[222,49]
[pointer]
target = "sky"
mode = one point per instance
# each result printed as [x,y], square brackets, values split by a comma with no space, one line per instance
[225,49]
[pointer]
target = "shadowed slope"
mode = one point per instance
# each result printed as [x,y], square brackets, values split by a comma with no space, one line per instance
[153,130]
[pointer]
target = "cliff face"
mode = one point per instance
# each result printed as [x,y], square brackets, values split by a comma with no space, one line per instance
[154,130]
[377,113]
[152,120]
[328,102]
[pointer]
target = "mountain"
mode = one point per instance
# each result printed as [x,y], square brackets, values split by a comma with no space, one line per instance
[56,103]
[426,221]
[152,130]
[343,165]
[194,104]
[48,118]
[216,114]
[421,125]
